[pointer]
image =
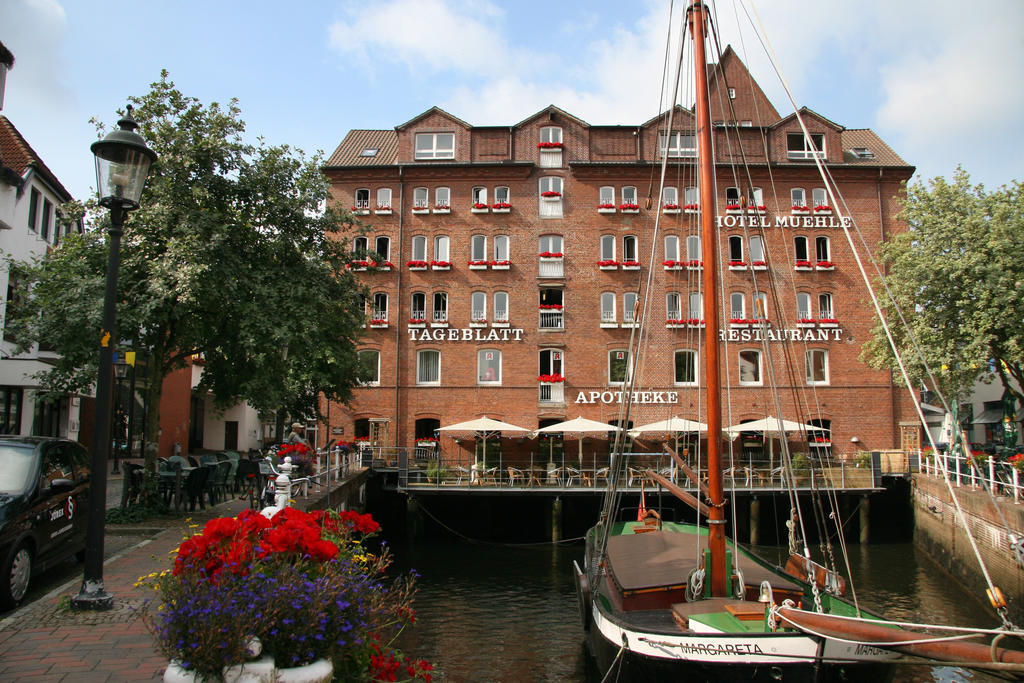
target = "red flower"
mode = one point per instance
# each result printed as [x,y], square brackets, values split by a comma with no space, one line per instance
[550,254]
[799,207]
[416,264]
[826,264]
[630,264]
[608,262]
[823,207]
[551,378]
[550,307]
[478,205]
[550,193]
[670,206]
[732,207]
[606,206]
[803,264]
[549,145]
[441,264]
[501,205]
[629,207]
[737,263]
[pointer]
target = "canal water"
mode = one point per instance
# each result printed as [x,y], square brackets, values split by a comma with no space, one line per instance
[491,611]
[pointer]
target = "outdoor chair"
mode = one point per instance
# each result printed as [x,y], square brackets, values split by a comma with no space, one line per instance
[194,488]
[217,483]
[514,474]
[601,475]
[462,473]
[192,461]
[570,474]
[207,459]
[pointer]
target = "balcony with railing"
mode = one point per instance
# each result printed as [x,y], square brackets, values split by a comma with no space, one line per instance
[608,319]
[551,392]
[550,266]
[379,319]
[439,319]
[500,317]
[551,319]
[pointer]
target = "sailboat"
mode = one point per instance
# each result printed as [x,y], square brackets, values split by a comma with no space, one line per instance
[667,600]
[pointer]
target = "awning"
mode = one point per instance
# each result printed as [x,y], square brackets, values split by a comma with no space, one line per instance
[990,417]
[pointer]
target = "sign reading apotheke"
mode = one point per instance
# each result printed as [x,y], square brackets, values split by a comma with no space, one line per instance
[466,334]
[647,397]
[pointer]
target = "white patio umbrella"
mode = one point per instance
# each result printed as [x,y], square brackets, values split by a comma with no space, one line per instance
[487,426]
[578,425]
[674,426]
[772,428]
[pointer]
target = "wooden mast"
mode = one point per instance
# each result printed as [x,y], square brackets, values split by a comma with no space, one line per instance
[709,245]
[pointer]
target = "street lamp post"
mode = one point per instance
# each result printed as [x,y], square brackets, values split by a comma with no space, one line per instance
[122,163]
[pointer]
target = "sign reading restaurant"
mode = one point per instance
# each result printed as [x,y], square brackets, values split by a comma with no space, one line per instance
[755,334]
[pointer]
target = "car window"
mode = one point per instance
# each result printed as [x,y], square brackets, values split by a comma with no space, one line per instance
[80,459]
[56,465]
[16,467]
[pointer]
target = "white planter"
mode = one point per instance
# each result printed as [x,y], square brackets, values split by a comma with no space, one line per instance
[737,267]
[420,212]
[479,210]
[824,267]
[805,269]
[630,210]
[418,325]
[625,267]
[478,266]
[609,325]
[501,210]
[606,210]
[417,267]
[440,267]
[673,267]
[383,212]
[500,266]
[442,210]
[608,267]
[691,211]
[670,211]
[361,212]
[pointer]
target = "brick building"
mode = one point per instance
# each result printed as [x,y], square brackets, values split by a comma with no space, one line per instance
[510,260]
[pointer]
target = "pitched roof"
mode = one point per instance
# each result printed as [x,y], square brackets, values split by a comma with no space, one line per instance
[17,155]
[432,110]
[865,138]
[552,109]
[353,150]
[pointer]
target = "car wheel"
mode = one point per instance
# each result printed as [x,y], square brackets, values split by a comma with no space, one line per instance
[14,580]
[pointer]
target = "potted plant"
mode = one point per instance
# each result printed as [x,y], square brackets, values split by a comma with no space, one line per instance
[248,586]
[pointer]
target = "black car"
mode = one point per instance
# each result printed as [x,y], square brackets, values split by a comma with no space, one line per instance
[44,494]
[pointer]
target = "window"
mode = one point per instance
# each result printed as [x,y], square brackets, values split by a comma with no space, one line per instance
[629,307]
[441,248]
[736,249]
[607,195]
[696,306]
[369,152]
[737,306]
[819,196]
[732,196]
[732,93]
[756,197]
[629,195]
[825,309]
[618,366]
[629,248]
[798,196]
[800,248]
[756,249]
[488,366]
[550,244]
[501,195]
[478,248]
[360,245]
[686,367]
[427,428]
[673,306]
[382,245]
[677,144]
[380,306]
[44,226]
[435,146]
[419,248]
[418,306]
[800,147]
[551,134]
[759,301]
[803,306]
[862,153]
[478,309]
[607,247]
[750,367]
[362,198]
[428,367]
[608,307]
[501,248]
[479,195]
[551,362]
[442,198]
[693,249]
[816,366]
[821,248]
[551,197]
[420,198]
[33,210]
[10,409]
[384,198]
[501,307]
[669,195]
[550,309]
[671,248]
[691,196]
[440,307]
[369,367]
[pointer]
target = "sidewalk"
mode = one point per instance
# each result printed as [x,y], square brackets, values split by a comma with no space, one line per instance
[47,641]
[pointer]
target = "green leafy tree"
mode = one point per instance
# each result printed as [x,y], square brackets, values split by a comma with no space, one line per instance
[232,257]
[957,275]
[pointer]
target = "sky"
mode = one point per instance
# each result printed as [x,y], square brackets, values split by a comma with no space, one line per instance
[938,80]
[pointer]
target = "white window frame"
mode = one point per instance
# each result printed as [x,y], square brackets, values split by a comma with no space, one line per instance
[607,247]
[554,363]
[421,299]
[675,144]
[800,243]
[479,195]
[360,246]
[421,355]
[442,248]
[737,305]
[502,195]
[606,195]
[478,307]
[384,198]
[803,306]
[671,247]
[478,248]
[819,197]
[753,360]
[695,305]
[502,248]
[628,357]
[629,195]
[691,195]
[805,146]
[736,248]
[362,198]
[385,242]
[442,198]
[551,243]
[438,147]
[759,305]
[442,299]
[693,248]
[630,248]
[551,134]
[493,362]
[669,195]
[826,306]
[419,248]
[733,196]
[629,307]
[822,246]
[550,207]
[375,382]
[675,367]
[501,307]
[756,197]
[756,249]
[380,306]
[421,198]
[608,307]
[798,196]
[810,366]
[673,306]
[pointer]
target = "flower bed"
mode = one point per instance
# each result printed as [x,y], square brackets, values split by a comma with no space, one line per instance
[249,577]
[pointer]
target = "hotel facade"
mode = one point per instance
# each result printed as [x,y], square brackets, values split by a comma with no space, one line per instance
[507,265]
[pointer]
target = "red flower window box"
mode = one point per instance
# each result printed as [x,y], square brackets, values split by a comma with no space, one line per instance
[551,194]
[550,254]
[417,321]
[550,145]
[823,208]
[501,263]
[629,207]
[630,264]
[501,205]
[825,264]
[416,264]
[737,264]
[610,263]
[551,378]
[670,207]
[550,307]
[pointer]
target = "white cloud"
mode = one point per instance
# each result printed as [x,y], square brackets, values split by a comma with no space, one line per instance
[37,77]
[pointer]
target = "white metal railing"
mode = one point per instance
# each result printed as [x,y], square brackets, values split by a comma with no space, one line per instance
[550,267]
[999,477]
[478,315]
[551,320]
[608,317]
[500,315]
[551,392]
[440,316]
[418,314]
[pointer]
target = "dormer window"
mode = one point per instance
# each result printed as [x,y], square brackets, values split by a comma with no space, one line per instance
[677,144]
[550,147]
[800,147]
[435,145]
[369,152]
[862,153]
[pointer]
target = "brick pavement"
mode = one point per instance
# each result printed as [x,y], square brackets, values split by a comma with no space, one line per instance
[47,641]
